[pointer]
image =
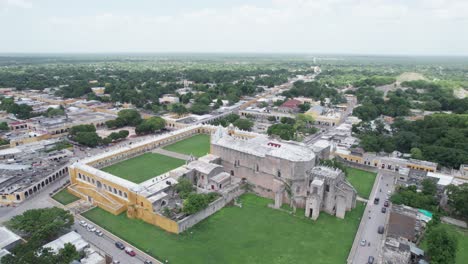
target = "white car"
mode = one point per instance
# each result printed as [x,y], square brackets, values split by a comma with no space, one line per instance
[83,223]
[363,242]
[98,233]
[91,228]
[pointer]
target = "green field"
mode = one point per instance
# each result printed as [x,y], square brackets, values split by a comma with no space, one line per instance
[64,197]
[144,167]
[254,233]
[462,236]
[363,181]
[198,145]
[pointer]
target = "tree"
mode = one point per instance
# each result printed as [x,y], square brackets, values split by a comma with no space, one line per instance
[458,199]
[130,117]
[51,112]
[287,120]
[90,139]
[304,107]
[429,187]
[4,126]
[441,245]
[179,109]
[81,128]
[184,187]
[243,124]
[284,131]
[150,125]
[42,224]
[194,203]
[199,109]
[416,153]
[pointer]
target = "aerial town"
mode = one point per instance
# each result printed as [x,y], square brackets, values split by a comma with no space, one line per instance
[194,157]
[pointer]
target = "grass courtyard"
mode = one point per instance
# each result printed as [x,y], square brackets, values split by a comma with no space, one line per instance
[462,236]
[362,180]
[198,145]
[144,167]
[251,234]
[65,197]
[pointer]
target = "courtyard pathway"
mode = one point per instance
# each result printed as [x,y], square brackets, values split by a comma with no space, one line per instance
[171,154]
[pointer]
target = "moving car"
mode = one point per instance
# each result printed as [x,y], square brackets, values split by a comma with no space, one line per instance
[380,230]
[370,260]
[130,251]
[384,210]
[119,245]
[376,200]
[386,204]
[148,262]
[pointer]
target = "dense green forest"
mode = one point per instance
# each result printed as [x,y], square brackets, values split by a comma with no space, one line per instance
[441,138]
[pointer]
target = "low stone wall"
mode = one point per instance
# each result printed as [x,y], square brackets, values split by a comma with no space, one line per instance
[212,208]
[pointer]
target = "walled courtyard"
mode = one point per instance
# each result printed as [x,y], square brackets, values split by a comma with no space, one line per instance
[198,146]
[254,233]
[144,167]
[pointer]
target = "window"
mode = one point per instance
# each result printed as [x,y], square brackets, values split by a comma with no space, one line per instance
[115,190]
[256,168]
[88,179]
[279,174]
[327,187]
[79,175]
[120,192]
[125,195]
[92,180]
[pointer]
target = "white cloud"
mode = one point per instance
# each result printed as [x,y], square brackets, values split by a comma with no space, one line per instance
[367,26]
[6,4]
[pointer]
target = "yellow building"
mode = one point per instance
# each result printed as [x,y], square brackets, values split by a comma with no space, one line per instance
[117,195]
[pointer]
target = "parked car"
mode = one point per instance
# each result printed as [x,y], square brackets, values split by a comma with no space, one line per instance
[376,200]
[386,204]
[115,262]
[370,260]
[98,233]
[148,262]
[380,230]
[91,228]
[119,245]
[384,210]
[83,223]
[363,242]
[130,251]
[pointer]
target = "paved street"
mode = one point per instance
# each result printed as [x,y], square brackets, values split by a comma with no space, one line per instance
[373,218]
[39,200]
[107,244]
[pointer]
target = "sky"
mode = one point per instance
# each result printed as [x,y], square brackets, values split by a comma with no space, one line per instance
[393,27]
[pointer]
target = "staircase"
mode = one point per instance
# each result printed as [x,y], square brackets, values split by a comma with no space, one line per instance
[99,198]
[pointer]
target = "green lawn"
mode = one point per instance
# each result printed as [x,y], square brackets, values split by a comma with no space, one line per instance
[363,181]
[251,234]
[64,197]
[144,167]
[462,235]
[198,145]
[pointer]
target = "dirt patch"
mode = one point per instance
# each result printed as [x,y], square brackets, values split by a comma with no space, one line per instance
[410,76]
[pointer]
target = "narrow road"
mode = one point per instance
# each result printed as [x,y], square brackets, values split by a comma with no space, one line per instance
[373,218]
[107,244]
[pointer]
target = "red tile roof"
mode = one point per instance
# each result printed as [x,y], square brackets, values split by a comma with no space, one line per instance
[292,103]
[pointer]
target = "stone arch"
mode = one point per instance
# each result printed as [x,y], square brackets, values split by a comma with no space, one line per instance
[30,191]
[35,189]
[18,197]
[26,194]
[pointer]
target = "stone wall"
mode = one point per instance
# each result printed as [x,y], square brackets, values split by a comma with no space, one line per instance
[212,208]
